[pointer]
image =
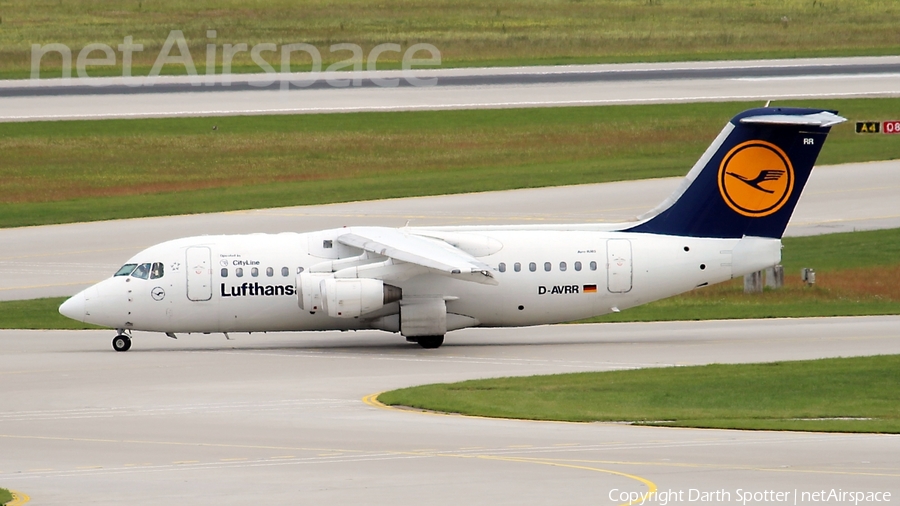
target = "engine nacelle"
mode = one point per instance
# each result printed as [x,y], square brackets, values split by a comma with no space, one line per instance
[344,298]
[309,291]
[349,298]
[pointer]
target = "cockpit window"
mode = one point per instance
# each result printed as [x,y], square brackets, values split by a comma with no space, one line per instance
[142,271]
[125,270]
[157,271]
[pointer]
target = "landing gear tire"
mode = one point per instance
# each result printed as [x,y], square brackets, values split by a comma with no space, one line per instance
[430,342]
[121,343]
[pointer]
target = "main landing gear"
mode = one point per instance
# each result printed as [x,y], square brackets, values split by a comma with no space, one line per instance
[121,342]
[427,342]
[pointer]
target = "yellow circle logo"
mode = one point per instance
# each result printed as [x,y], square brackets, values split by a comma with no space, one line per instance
[756,178]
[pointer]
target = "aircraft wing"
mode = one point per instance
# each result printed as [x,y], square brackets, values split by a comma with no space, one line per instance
[432,254]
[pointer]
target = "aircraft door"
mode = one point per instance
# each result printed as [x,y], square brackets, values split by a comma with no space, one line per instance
[199,273]
[618,265]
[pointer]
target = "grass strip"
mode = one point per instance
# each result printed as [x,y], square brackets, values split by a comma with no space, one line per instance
[72,171]
[37,314]
[729,302]
[5,496]
[468,33]
[857,285]
[831,395]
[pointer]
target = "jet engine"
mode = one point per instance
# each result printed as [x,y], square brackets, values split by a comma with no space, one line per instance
[344,298]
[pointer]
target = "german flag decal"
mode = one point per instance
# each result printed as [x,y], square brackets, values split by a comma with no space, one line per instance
[589,289]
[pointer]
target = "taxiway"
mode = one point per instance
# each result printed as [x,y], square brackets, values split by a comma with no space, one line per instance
[334,92]
[279,419]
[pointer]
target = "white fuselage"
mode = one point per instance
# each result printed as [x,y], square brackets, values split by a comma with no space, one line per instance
[249,283]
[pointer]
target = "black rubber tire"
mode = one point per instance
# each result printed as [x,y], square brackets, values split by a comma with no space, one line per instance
[430,342]
[121,343]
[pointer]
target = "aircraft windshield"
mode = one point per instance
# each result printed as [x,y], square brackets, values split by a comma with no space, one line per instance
[125,270]
[142,271]
[157,270]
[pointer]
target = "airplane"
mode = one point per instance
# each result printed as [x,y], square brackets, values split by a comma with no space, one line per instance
[725,220]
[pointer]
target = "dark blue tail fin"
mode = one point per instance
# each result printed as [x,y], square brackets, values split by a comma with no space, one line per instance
[750,178]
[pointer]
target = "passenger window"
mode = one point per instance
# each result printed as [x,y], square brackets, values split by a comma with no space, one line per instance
[239,272]
[532,267]
[142,271]
[224,272]
[562,266]
[270,271]
[125,270]
[299,270]
[501,267]
[285,271]
[577,266]
[593,266]
[547,266]
[254,272]
[517,267]
[157,270]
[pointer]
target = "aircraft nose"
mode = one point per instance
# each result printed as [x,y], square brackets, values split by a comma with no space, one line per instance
[74,307]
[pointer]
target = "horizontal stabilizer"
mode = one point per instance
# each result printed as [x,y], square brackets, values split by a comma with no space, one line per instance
[819,119]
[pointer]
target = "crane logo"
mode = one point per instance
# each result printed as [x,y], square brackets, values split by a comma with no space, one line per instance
[756,178]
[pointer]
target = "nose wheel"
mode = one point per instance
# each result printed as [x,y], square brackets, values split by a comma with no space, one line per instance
[121,343]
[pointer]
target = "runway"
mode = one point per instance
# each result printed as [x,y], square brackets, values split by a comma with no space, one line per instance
[278,419]
[63,259]
[168,96]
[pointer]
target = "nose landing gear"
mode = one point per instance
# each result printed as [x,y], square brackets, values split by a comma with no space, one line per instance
[122,342]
